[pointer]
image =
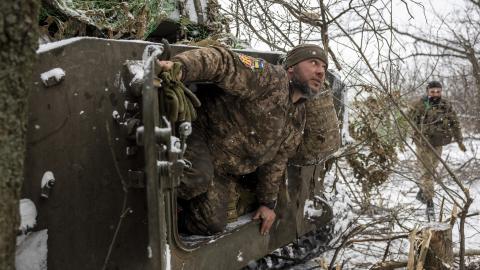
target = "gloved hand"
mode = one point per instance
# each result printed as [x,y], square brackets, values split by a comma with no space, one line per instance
[462,146]
[162,66]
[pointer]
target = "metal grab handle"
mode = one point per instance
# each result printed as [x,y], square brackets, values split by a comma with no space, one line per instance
[146,135]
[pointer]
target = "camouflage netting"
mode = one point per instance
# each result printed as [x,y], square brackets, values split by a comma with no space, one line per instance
[132,19]
[379,131]
[110,19]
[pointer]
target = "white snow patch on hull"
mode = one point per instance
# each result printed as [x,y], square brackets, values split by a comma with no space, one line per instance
[31,253]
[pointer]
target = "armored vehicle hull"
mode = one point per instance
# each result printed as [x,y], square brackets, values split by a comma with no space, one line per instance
[97,214]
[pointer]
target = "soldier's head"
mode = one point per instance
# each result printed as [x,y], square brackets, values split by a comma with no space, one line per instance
[434,91]
[306,65]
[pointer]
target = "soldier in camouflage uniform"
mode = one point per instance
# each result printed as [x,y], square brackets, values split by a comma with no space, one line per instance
[253,125]
[438,123]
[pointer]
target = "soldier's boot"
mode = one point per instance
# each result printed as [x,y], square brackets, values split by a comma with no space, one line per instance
[320,212]
[430,211]
[420,197]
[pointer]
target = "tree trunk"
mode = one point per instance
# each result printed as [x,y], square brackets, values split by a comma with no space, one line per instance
[18,42]
[435,249]
[440,253]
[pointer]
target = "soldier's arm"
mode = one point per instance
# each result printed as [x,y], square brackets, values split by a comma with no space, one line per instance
[413,114]
[224,68]
[270,176]
[454,124]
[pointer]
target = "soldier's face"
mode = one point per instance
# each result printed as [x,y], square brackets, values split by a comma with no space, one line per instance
[435,94]
[309,76]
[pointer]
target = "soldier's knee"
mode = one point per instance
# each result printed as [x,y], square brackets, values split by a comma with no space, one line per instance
[207,226]
[215,222]
[191,187]
[217,226]
[195,183]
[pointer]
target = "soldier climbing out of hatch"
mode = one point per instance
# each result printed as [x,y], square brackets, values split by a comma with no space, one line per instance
[252,126]
[438,123]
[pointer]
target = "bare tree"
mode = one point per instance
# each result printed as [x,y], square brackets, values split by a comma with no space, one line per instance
[376,68]
[456,40]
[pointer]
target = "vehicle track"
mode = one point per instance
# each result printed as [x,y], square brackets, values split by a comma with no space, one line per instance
[303,249]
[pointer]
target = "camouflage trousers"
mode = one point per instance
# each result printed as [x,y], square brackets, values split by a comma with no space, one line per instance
[207,213]
[204,194]
[427,162]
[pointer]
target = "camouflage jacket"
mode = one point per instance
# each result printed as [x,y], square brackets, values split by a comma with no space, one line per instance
[437,122]
[251,125]
[321,137]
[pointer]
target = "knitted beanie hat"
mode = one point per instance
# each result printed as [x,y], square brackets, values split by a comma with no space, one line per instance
[434,84]
[303,52]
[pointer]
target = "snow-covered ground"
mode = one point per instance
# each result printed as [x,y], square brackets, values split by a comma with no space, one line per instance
[395,211]
[394,198]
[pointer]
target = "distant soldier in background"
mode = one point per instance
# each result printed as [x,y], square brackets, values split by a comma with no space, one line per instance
[438,123]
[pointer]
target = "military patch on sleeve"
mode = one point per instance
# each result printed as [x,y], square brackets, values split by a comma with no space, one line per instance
[251,62]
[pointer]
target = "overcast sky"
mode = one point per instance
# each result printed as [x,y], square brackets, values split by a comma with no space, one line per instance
[424,17]
[400,14]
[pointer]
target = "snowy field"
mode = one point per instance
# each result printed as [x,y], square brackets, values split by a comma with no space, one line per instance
[395,211]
